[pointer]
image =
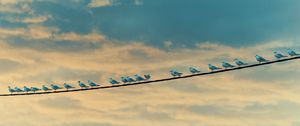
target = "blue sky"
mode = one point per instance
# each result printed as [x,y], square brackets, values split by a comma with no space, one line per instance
[54,41]
[184,23]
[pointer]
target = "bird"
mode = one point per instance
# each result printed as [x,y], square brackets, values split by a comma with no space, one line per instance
[68,86]
[34,89]
[213,68]
[260,59]
[194,70]
[129,79]
[239,62]
[139,78]
[292,53]
[17,89]
[44,88]
[11,90]
[55,87]
[92,84]
[175,73]
[124,80]
[82,85]
[279,55]
[26,89]
[227,65]
[147,76]
[112,81]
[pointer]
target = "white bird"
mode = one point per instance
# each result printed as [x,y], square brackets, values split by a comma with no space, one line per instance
[112,81]
[129,79]
[260,59]
[44,88]
[34,89]
[292,53]
[68,86]
[11,90]
[227,65]
[175,73]
[55,87]
[239,62]
[147,76]
[18,89]
[26,89]
[124,80]
[194,70]
[212,67]
[92,84]
[139,78]
[82,85]
[279,55]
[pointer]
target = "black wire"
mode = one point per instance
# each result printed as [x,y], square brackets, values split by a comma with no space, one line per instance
[154,81]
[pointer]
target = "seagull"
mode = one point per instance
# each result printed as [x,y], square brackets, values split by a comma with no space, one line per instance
[213,68]
[18,89]
[82,85]
[260,59]
[194,70]
[292,53]
[124,80]
[227,65]
[129,79]
[279,55]
[55,87]
[26,89]
[239,62]
[139,78]
[147,76]
[112,81]
[34,89]
[92,84]
[44,88]
[68,86]
[11,90]
[175,73]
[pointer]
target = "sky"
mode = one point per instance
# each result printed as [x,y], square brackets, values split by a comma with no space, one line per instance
[54,41]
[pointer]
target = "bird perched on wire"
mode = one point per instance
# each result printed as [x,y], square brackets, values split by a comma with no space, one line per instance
[147,76]
[175,73]
[239,62]
[112,81]
[129,79]
[260,59]
[11,90]
[279,55]
[45,88]
[68,86]
[139,78]
[26,89]
[92,84]
[17,89]
[124,80]
[213,68]
[55,87]
[35,89]
[227,65]
[292,53]
[82,85]
[194,70]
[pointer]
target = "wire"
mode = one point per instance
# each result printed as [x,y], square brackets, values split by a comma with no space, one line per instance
[154,81]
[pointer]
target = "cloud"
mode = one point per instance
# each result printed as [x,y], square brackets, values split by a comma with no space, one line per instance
[100,3]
